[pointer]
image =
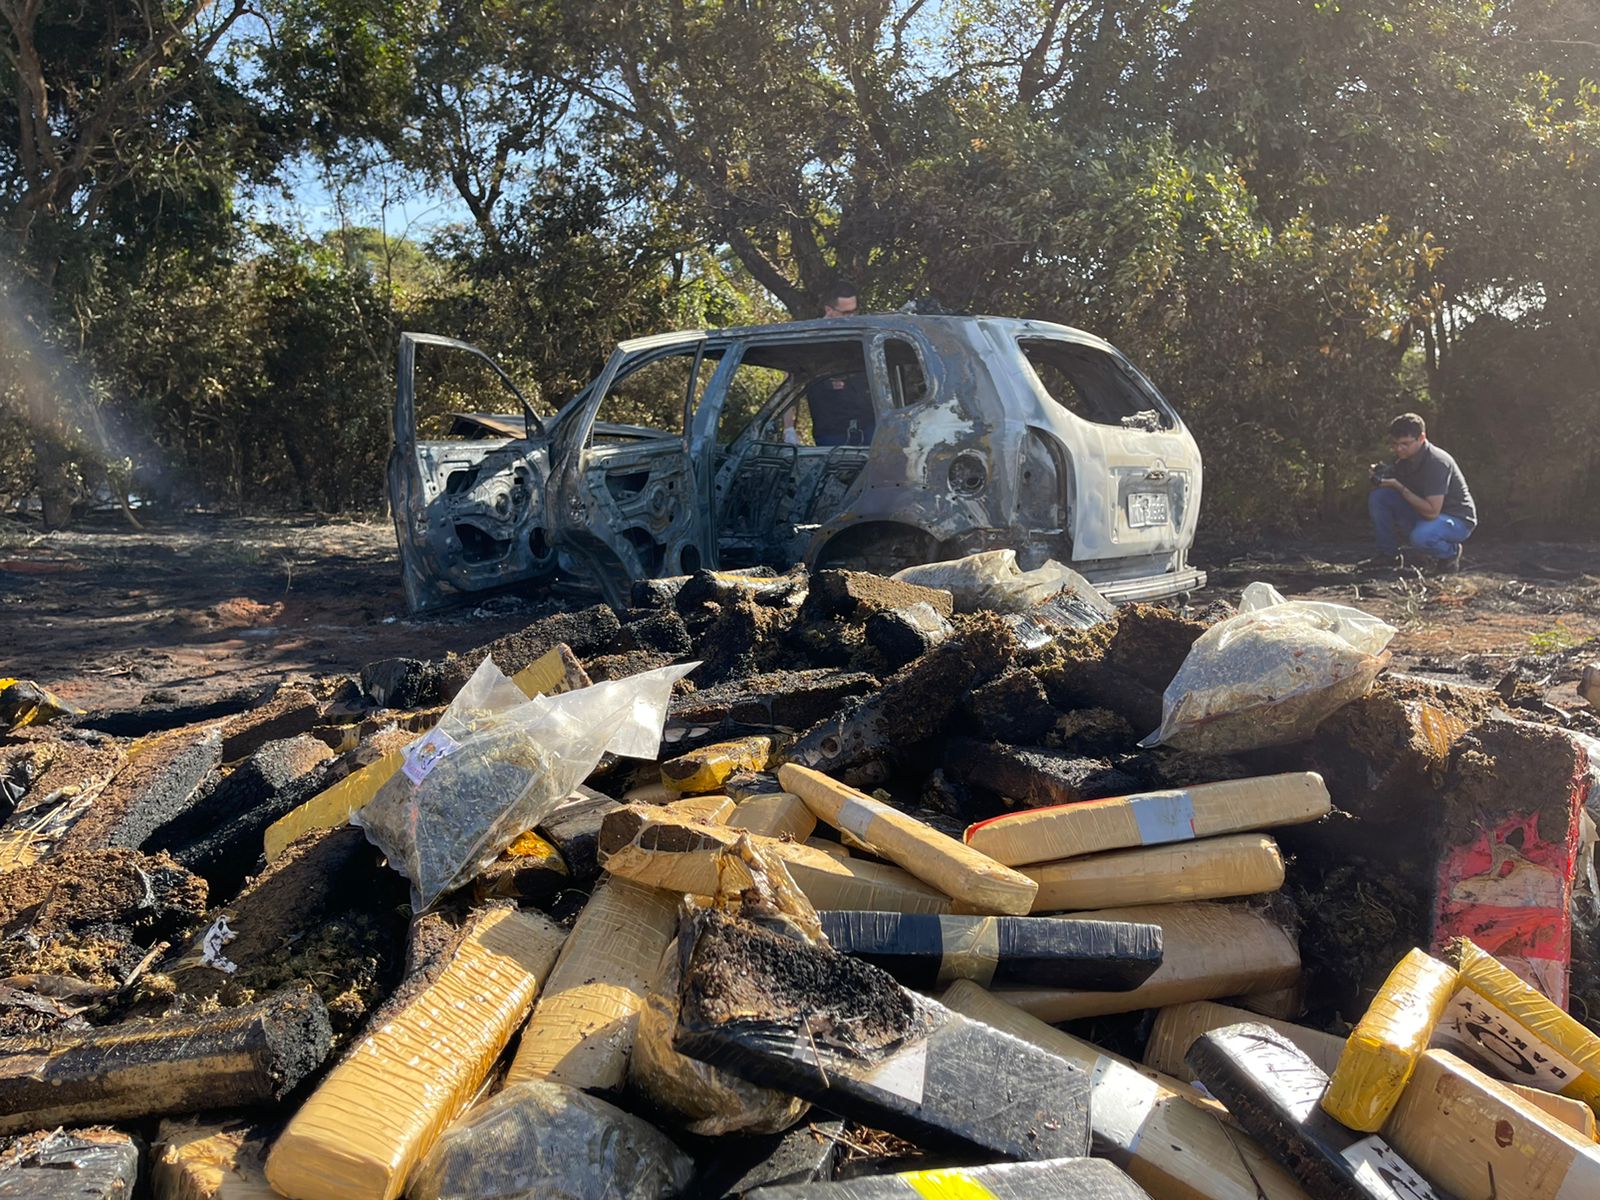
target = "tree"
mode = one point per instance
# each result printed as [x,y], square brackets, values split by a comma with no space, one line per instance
[99,92]
[127,134]
[1296,214]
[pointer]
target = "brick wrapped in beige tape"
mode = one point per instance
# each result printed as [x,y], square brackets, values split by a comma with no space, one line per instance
[1158,1130]
[841,883]
[713,810]
[1476,1139]
[655,847]
[1178,1026]
[220,1161]
[1281,1004]
[1208,950]
[831,849]
[381,1109]
[958,871]
[1382,1050]
[1039,835]
[1573,1113]
[776,815]
[1239,864]
[581,1031]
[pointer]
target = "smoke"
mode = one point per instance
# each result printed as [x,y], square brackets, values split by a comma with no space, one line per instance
[75,427]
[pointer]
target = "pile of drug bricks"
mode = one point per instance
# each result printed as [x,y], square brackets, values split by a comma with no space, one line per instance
[902,910]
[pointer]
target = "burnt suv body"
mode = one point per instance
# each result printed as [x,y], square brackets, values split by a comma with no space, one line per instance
[967,434]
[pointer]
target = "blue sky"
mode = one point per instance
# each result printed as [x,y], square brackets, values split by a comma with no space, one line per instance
[387,198]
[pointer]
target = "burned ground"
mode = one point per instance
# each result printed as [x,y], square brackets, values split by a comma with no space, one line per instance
[328,911]
[93,612]
[77,928]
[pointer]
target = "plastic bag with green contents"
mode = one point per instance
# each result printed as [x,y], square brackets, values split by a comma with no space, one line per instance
[497,763]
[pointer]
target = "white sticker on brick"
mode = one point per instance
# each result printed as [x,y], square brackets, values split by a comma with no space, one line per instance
[1382,1172]
[1163,817]
[857,812]
[1497,1042]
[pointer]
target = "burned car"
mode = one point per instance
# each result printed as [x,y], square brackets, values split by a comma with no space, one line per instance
[873,442]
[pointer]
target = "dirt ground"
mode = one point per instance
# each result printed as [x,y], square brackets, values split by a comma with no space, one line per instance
[106,615]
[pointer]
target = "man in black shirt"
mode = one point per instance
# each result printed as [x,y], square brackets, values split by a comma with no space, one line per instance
[1422,497]
[841,410]
[840,404]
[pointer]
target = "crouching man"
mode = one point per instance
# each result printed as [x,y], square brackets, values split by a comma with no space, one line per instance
[1421,499]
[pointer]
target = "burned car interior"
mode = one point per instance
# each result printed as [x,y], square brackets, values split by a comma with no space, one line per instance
[878,441]
[784,461]
[1091,385]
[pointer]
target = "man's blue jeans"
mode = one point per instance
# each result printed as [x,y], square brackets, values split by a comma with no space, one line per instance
[1393,519]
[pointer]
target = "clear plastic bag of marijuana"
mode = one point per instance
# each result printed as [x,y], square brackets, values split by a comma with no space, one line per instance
[497,763]
[1271,674]
[551,1142]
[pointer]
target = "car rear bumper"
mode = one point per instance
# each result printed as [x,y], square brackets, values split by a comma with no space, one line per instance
[1151,587]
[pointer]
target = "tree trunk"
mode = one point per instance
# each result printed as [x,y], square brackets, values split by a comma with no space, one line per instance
[57,491]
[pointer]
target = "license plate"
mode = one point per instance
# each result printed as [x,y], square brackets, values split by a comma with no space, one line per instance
[1148,508]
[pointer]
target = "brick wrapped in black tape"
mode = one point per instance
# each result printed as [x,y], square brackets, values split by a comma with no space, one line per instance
[733,1167]
[1057,1179]
[86,1164]
[843,1034]
[925,951]
[1274,1091]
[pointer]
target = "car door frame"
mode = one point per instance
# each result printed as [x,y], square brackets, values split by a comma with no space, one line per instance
[583,521]
[434,568]
[703,446]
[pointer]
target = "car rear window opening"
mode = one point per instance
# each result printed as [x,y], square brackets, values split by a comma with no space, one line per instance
[1090,384]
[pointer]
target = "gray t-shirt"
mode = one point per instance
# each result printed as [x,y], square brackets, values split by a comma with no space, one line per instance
[1432,472]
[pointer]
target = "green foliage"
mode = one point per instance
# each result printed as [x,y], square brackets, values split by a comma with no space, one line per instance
[1549,641]
[262,379]
[1298,217]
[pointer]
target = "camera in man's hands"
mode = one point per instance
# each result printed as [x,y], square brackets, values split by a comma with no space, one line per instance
[1380,472]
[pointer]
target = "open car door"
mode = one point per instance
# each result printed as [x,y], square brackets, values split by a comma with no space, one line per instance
[466,482]
[628,499]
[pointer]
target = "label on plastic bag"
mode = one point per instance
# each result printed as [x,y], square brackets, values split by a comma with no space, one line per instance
[516,759]
[1488,1037]
[1382,1172]
[424,754]
[1163,817]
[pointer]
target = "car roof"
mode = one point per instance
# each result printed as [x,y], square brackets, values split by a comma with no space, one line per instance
[863,323]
